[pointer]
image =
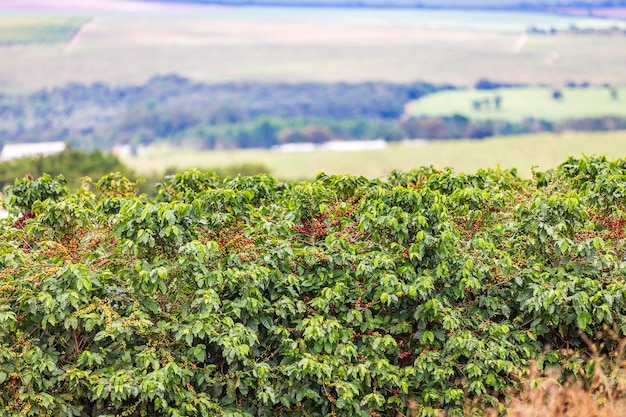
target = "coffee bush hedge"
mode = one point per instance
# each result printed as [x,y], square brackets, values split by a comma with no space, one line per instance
[429,291]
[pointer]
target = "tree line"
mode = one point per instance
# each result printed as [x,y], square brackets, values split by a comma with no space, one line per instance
[245,114]
[170,107]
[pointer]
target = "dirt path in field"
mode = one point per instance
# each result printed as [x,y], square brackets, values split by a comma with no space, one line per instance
[78,35]
[519,44]
[102,6]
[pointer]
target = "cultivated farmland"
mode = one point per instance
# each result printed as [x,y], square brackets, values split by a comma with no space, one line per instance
[522,152]
[516,104]
[38,29]
[307,45]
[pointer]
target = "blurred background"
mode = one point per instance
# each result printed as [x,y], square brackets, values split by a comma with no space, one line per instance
[294,87]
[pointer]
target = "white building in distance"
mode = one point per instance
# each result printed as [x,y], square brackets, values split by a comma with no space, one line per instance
[353,145]
[333,146]
[22,150]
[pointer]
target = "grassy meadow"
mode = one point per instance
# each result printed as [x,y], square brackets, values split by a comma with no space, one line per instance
[521,152]
[294,45]
[520,103]
[20,29]
[514,21]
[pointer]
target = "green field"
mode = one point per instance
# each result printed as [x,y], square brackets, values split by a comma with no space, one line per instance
[520,103]
[18,29]
[452,19]
[431,3]
[297,45]
[522,152]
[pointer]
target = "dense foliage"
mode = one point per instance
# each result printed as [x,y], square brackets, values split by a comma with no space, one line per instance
[343,296]
[74,164]
[171,107]
[247,114]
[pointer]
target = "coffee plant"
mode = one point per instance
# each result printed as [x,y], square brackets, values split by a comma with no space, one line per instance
[430,292]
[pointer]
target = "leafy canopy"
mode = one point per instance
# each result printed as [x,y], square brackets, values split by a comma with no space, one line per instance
[343,296]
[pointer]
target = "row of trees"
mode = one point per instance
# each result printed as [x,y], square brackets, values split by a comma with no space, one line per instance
[458,127]
[246,115]
[74,164]
[78,165]
[266,132]
[169,107]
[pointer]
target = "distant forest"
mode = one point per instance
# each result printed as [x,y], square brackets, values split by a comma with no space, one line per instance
[229,115]
[245,114]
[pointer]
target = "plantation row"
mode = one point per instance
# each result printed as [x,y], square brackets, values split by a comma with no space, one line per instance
[431,290]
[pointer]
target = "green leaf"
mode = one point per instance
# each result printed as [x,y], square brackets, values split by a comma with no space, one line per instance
[428,337]
[266,321]
[583,320]
[563,245]
[151,305]
[384,297]
[199,352]
[162,287]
